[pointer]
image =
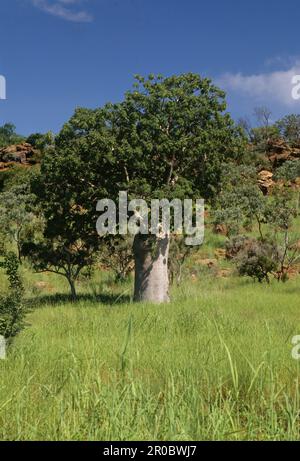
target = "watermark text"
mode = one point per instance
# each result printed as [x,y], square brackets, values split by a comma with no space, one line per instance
[2,87]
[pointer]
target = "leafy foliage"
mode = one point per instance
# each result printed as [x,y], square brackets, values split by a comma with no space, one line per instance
[274,252]
[117,255]
[53,255]
[19,219]
[178,256]
[168,138]
[173,135]
[289,128]
[43,143]
[12,308]
[289,171]
[254,258]
[241,203]
[8,135]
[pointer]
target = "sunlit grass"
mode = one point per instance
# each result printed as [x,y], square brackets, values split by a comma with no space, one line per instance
[215,364]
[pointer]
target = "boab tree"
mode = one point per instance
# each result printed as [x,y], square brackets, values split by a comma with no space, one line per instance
[172,135]
[168,139]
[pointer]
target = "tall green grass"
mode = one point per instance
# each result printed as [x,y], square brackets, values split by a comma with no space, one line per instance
[215,364]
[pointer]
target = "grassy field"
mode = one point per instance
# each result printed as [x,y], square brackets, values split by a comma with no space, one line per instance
[215,364]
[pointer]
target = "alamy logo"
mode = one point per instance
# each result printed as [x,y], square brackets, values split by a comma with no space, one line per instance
[296,348]
[187,218]
[296,87]
[2,87]
[2,348]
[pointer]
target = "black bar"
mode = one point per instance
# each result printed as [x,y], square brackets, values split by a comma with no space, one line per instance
[135,450]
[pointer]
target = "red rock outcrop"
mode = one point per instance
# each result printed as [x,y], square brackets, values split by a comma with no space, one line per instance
[265,181]
[279,152]
[17,153]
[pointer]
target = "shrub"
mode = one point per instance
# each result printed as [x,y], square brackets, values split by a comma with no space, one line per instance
[289,171]
[241,203]
[12,308]
[178,256]
[117,255]
[258,259]
[235,245]
[254,258]
[289,128]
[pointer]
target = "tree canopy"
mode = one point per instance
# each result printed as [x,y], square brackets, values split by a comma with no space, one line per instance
[168,138]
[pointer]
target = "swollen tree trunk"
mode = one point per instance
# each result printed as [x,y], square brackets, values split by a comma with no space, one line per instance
[151,268]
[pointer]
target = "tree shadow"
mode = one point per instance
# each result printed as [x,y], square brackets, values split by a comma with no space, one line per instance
[59,299]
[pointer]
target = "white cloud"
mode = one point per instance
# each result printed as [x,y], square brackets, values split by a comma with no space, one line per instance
[266,87]
[64,9]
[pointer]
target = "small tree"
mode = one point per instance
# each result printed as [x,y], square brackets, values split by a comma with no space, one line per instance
[275,251]
[263,116]
[265,131]
[245,125]
[179,254]
[258,259]
[280,213]
[117,255]
[70,240]
[289,128]
[8,135]
[19,219]
[67,260]
[12,308]
[241,203]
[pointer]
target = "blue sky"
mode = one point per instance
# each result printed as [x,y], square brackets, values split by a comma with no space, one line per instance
[59,54]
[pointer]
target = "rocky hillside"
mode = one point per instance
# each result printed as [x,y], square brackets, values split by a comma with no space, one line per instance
[279,152]
[23,154]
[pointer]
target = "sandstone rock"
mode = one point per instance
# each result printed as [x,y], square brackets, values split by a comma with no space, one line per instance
[293,273]
[220,253]
[208,262]
[224,273]
[221,229]
[279,152]
[265,180]
[17,153]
